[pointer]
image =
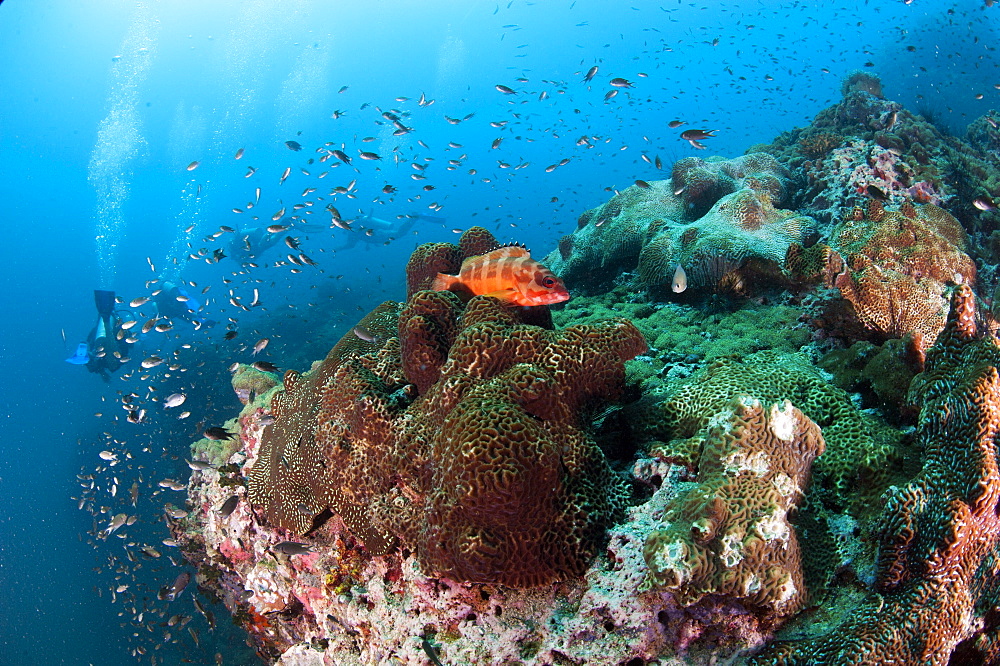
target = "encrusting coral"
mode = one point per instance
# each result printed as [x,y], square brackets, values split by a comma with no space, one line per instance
[859,452]
[936,587]
[726,248]
[729,535]
[899,264]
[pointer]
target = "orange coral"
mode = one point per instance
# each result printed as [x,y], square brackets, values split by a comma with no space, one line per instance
[899,265]
[730,534]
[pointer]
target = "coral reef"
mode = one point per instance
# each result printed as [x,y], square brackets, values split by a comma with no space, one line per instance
[936,584]
[729,535]
[628,480]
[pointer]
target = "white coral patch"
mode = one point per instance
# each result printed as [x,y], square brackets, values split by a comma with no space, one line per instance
[773,527]
[786,592]
[752,585]
[671,557]
[756,463]
[785,485]
[732,550]
[782,421]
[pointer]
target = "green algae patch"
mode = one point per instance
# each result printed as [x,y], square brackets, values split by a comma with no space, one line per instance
[676,331]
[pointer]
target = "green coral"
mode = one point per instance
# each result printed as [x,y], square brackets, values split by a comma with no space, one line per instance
[861,452]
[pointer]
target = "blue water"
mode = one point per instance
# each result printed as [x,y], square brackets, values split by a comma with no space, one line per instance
[104,104]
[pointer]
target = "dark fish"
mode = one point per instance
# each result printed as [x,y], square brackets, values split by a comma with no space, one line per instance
[291,548]
[218,255]
[620,83]
[505,90]
[291,242]
[388,189]
[674,124]
[496,143]
[229,506]
[697,134]
[230,335]
[608,95]
[342,156]
[178,586]
[370,156]
[217,433]
[590,74]
[876,193]
[264,366]
[428,648]
[642,184]
[294,145]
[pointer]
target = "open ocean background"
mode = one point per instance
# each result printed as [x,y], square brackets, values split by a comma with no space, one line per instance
[104,103]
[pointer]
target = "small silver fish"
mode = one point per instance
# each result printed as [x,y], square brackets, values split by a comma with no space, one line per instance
[364,334]
[261,344]
[680,282]
[174,400]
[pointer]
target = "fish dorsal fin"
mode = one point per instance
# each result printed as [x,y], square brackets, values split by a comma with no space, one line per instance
[510,250]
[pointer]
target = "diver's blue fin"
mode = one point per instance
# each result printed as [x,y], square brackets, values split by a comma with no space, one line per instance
[105,301]
[81,357]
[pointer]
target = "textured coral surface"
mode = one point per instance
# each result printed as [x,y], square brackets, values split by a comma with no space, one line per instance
[899,264]
[713,217]
[460,436]
[729,535]
[936,585]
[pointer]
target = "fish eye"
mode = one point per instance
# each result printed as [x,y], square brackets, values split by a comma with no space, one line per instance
[548,282]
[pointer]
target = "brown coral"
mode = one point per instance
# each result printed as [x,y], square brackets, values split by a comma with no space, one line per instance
[730,534]
[899,265]
[290,481]
[939,537]
[462,437]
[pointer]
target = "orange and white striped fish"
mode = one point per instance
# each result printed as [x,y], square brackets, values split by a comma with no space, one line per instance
[507,273]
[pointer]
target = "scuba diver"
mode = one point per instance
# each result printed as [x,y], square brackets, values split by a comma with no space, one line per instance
[376,231]
[106,348]
[174,302]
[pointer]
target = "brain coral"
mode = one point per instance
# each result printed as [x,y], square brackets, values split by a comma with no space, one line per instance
[936,588]
[728,248]
[858,451]
[899,264]
[462,437]
[729,535]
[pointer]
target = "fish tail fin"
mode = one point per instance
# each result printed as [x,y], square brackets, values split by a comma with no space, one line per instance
[444,282]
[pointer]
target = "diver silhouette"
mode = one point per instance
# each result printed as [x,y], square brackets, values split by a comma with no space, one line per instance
[105,349]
